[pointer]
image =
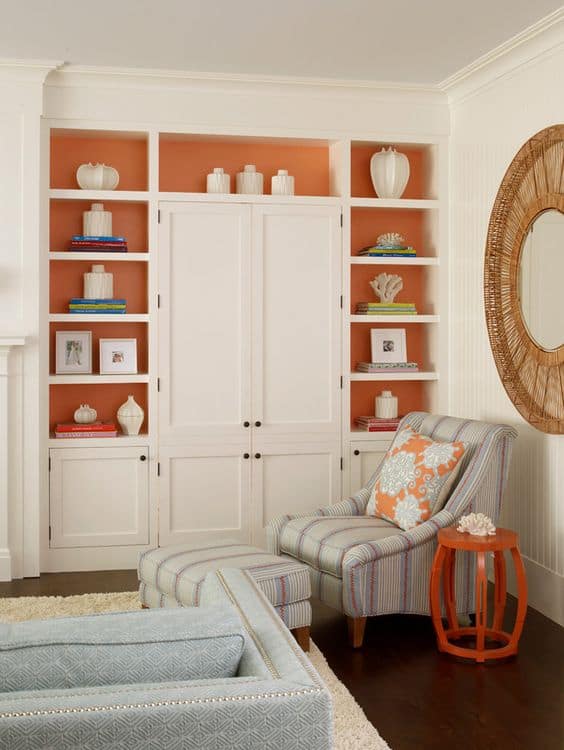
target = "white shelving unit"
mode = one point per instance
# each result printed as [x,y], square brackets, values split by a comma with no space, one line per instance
[394,318]
[393,376]
[97,379]
[367,261]
[99,318]
[69,255]
[126,196]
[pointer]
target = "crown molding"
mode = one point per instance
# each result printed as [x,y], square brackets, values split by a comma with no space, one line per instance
[30,71]
[536,41]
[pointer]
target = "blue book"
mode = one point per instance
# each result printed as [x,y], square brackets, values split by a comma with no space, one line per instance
[87,301]
[92,238]
[98,312]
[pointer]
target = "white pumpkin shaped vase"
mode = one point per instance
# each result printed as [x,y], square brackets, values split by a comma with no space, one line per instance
[85,414]
[390,172]
[130,417]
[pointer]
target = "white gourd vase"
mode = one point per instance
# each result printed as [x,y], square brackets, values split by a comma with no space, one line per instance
[282,183]
[97,222]
[390,172]
[130,417]
[386,406]
[85,414]
[97,177]
[249,181]
[98,284]
[218,182]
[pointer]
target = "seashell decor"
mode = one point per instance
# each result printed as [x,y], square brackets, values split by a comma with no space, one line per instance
[477,524]
[390,239]
[386,286]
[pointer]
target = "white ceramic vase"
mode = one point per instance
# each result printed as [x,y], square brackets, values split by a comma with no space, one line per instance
[97,222]
[98,284]
[282,183]
[130,417]
[85,414]
[218,181]
[249,181]
[97,177]
[386,405]
[390,172]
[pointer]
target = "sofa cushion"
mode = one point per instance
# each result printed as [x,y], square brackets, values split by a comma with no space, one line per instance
[121,648]
[323,541]
[178,571]
[415,479]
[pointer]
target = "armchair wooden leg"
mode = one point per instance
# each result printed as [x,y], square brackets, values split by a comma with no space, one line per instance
[302,637]
[356,627]
[144,606]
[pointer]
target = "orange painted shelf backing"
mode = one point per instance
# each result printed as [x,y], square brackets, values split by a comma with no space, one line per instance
[411,397]
[185,164]
[103,331]
[368,223]
[360,342]
[128,155]
[66,281]
[413,284]
[361,182]
[129,220]
[106,399]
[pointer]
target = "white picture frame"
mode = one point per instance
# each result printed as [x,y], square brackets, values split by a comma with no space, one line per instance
[388,345]
[73,352]
[118,356]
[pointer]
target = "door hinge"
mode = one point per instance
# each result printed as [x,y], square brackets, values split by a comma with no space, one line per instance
[159,216]
[158,385]
[341,301]
[49,463]
[341,218]
[158,300]
[342,463]
[158,468]
[49,533]
[341,382]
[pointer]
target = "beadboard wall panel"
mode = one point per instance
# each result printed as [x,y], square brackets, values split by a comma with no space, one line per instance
[488,129]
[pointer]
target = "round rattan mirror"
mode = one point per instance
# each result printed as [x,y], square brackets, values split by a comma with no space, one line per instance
[532,375]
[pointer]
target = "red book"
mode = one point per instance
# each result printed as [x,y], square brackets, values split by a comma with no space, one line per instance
[93,427]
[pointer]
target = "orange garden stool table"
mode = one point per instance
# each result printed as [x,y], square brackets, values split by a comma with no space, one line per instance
[451,540]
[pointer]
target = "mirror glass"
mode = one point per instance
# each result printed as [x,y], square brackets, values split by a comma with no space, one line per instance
[541,279]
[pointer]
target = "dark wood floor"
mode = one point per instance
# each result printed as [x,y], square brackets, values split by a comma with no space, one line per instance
[416,697]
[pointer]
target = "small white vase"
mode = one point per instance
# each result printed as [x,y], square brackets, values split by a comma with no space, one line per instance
[282,183]
[97,177]
[85,414]
[98,284]
[390,172]
[130,417]
[386,405]
[218,181]
[249,181]
[97,222]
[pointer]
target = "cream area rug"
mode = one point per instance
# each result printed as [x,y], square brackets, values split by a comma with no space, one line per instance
[353,731]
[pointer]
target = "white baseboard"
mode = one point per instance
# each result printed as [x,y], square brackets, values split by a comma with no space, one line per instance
[5,565]
[546,589]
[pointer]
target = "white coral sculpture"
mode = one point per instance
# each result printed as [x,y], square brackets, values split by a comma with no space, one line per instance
[386,286]
[390,239]
[476,524]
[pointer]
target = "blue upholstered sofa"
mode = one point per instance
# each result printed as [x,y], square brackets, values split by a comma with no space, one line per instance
[227,674]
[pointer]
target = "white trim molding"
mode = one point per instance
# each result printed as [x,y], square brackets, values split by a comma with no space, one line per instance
[7,343]
[538,40]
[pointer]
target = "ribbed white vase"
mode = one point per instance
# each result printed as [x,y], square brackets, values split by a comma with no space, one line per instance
[98,284]
[390,172]
[249,181]
[130,417]
[386,406]
[97,222]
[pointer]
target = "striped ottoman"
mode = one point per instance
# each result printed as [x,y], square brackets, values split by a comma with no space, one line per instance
[172,577]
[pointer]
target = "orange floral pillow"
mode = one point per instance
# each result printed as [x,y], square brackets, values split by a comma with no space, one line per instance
[415,479]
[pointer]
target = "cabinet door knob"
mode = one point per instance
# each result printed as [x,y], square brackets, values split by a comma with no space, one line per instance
[357,453]
[246,455]
[246,424]
[142,458]
[257,455]
[258,424]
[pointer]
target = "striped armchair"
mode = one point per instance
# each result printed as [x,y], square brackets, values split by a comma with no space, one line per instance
[365,566]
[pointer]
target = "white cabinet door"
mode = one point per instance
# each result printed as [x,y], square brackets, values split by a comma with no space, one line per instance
[296,321]
[293,479]
[364,459]
[204,322]
[205,494]
[98,497]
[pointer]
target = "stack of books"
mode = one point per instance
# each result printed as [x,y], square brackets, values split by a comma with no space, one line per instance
[82,243]
[374,367]
[93,430]
[82,305]
[386,308]
[388,251]
[373,424]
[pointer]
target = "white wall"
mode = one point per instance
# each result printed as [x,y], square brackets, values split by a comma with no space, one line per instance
[488,127]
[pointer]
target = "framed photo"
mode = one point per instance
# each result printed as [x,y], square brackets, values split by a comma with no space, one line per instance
[388,345]
[118,356]
[73,352]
